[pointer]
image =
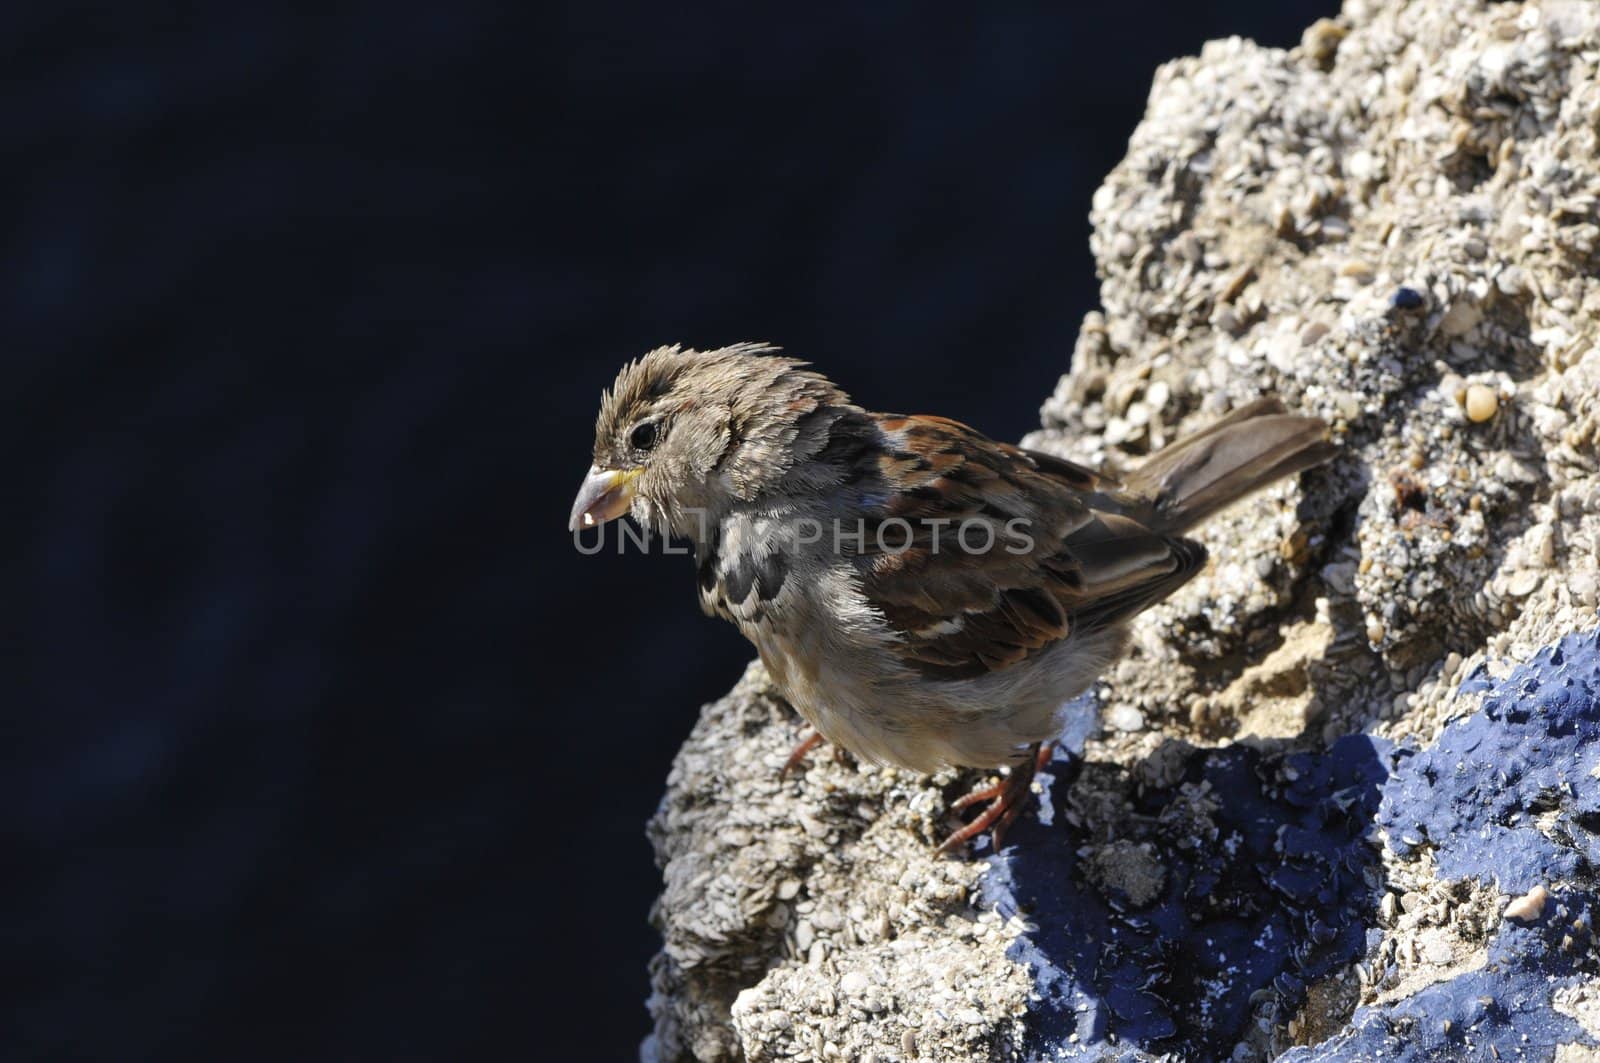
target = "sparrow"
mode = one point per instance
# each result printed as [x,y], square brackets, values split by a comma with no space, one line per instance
[920,593]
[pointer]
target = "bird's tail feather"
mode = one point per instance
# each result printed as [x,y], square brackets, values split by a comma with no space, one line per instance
[1235,457]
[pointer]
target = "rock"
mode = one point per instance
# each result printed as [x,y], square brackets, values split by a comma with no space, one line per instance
[729,983]
[1380,227]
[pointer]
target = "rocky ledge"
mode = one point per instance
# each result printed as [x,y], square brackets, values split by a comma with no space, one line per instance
[1344,801]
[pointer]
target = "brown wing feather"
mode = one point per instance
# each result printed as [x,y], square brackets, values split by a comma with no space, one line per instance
[962,613]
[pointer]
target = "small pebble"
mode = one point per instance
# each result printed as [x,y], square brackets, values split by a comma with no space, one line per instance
[1452,665]
[854,983]
[1407,299]
[1527,908]
[1522,584]
[1462,317]
[1125,718]
[1481,402]
[1544,546]
[1374,632]
[1236,284]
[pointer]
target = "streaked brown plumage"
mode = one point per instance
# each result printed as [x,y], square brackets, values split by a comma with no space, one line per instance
[894,637]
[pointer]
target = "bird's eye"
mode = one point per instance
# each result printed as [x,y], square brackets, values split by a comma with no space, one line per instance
[643,436]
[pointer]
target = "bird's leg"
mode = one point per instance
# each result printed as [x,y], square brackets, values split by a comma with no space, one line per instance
[1006,799]
[799,755]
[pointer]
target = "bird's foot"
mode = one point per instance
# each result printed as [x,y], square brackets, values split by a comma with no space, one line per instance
[1006,798]
[798,757]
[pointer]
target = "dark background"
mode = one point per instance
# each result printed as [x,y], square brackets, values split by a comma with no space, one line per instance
[321,740]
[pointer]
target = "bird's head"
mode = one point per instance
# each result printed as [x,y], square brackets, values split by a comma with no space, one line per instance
[683,435]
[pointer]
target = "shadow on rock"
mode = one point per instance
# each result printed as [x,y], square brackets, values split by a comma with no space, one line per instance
[1223,895]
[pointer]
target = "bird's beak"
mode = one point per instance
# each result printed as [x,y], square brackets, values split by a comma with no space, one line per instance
[605,495]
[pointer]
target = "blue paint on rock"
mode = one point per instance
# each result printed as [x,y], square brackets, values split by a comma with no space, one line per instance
[1477,796]
[1530,752]
[1269,891]
[1503,1007]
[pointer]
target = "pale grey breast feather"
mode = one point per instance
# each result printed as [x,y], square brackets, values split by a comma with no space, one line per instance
[748,563]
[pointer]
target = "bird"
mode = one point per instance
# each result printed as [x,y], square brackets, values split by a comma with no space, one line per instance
[923,595]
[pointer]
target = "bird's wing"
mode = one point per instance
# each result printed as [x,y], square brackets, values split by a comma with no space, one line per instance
[1005,551]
